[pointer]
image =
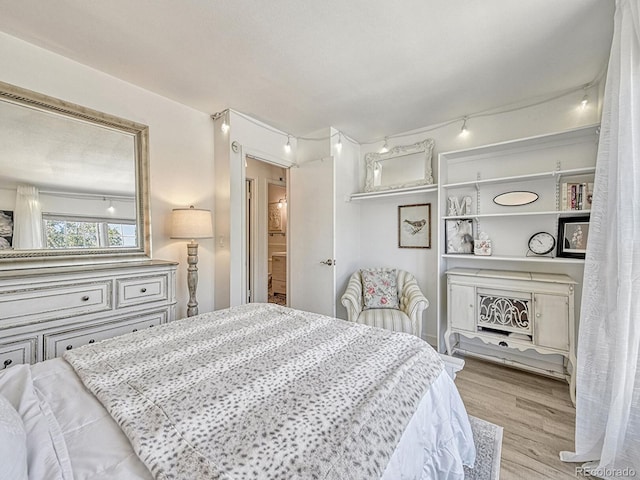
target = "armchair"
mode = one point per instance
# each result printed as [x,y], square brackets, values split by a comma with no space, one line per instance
[407,319]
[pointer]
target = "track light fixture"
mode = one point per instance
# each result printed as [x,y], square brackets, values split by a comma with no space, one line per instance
[225,123]
[584,101]
[385,147]
[287,147]
[464,131]
[339,144]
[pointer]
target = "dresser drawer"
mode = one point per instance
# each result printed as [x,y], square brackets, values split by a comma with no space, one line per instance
[56,302]
[17,352]
[55,344]
[134,291]
[279,286]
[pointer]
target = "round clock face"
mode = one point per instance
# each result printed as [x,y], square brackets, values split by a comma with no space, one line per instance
[542,243]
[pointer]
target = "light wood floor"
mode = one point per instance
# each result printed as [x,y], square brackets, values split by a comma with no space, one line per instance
[535,411]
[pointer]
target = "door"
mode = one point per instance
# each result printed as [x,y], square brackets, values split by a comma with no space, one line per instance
[311,223]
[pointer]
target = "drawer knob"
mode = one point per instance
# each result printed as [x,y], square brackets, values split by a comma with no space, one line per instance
[69,347]
[7,362]
[135,329]
[92,341]
[503,344]
[143,290]
[85,298]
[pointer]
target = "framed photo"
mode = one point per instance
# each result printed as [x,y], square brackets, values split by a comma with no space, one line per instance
[414,226]
[275,218]
[458,235]
[6,229]
[573,233]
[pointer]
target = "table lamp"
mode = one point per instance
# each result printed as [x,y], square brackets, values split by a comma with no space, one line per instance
[191,223]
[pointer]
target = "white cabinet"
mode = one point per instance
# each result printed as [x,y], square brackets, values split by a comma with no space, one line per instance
[513,310]
[45,311]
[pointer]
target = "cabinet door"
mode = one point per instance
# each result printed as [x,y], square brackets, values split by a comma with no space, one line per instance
[552,321]
[462,311]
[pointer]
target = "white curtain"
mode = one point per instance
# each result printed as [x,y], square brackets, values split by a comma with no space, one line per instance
[27,219]
[608,371]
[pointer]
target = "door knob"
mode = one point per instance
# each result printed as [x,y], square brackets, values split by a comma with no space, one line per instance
[328,262]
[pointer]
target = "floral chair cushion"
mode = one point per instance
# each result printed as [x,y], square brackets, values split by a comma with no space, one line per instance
[379,288]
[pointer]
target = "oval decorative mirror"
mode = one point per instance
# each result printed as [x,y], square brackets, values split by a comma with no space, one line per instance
[73,182]
[515,198]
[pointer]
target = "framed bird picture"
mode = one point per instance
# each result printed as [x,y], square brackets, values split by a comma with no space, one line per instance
[414,226]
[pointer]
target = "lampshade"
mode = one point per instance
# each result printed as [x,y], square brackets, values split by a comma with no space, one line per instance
[191,223]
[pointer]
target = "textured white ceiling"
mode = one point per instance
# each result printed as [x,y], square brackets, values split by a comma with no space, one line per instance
[370,68]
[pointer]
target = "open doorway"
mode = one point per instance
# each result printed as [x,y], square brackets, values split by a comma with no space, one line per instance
[266,241]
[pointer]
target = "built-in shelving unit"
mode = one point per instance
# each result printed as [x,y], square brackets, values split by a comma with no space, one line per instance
[540,165]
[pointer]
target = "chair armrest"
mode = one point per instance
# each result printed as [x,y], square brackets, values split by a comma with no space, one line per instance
[352,297]
[413,303]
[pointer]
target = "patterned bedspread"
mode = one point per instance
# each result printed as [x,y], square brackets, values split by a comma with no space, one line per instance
[260,392]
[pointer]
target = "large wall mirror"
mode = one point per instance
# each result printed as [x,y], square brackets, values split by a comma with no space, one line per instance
[73,183]
[402,166]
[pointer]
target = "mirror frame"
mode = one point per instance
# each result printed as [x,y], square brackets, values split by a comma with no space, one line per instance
[13,259]
[425,146]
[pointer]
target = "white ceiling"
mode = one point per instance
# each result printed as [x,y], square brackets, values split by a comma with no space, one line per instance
[369,68]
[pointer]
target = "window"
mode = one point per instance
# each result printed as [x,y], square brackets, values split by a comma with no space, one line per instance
[81,232]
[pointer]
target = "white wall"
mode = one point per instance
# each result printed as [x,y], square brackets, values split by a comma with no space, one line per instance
[379,217]
[180,144]
[258,140]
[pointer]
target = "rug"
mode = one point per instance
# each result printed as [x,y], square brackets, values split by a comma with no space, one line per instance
[488,440]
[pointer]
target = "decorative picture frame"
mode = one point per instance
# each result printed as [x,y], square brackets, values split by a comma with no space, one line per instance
[459,235]
[275,218]
[6,229]
[414,226]
[573,233]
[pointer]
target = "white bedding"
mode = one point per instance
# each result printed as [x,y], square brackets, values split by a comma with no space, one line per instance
[435,444]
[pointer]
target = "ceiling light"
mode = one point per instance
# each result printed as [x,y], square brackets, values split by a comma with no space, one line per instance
[225,125]
[585,100]
[385,147]
[464,131]
[339,144]
[287,147]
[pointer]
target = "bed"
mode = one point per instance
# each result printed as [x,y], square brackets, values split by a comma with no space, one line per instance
[257,391]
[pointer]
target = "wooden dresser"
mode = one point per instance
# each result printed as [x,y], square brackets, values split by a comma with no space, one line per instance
[46,311]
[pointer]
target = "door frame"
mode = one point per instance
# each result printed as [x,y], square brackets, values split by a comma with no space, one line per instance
[238,226]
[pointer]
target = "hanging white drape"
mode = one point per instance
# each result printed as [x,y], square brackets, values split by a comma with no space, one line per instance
[608,371]
[27,219]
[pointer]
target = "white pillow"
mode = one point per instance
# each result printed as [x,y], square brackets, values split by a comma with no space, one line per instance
[13,443]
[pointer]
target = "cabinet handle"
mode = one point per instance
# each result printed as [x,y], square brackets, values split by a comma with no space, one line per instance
[503,344]
[85,298]
[7,362]
[135,329]
[143,290]
[69,347]
[92,341]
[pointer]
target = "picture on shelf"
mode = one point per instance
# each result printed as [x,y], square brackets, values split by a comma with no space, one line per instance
[414,226]
[6,229]
[459,235]
[573,234]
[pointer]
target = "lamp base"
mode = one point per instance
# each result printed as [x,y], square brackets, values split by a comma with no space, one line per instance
[192,278]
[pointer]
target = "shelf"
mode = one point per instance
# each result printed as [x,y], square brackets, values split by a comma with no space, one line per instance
[523,178]
[563,213]
[394,192]
[506,258]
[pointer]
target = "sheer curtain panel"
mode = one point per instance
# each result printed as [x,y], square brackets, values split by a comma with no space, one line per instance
[27,219]
[608,375]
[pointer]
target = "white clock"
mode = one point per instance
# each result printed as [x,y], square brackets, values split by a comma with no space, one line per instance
[542,243]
